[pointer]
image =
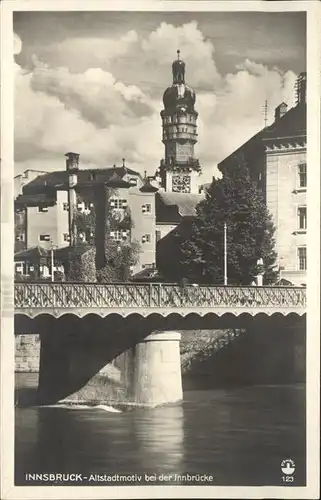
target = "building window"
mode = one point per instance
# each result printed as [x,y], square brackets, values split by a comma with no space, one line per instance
[66,236]
[302,258]
[158,235]
[44,237]
[65,206]
[147,208]
[42,208]
[20,267]
[119,235]
[302,217]
[302,175]
[118,203]
[146,238]
[133,181]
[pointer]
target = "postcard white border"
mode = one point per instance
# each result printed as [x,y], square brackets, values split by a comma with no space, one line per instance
[8,491]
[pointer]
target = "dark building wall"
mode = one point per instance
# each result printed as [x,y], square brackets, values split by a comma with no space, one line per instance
[262,354]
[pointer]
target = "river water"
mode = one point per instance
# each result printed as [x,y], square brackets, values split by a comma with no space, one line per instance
[238,436]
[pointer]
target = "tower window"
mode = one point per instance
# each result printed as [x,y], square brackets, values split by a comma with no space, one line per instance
[147,208]
[302,258]
[302,175]
[302,217]
[146,238]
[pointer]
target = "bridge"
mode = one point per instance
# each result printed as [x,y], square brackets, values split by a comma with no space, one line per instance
[89,332]
[80,299]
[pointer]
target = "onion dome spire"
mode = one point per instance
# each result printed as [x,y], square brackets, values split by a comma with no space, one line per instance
[178,68]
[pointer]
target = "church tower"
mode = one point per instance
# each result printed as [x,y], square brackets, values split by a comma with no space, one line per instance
[179,170]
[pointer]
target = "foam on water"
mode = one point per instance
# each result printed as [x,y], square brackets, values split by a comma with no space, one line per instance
[70,406]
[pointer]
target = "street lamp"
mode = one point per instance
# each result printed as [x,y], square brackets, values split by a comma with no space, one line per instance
[225,254]
[52,246]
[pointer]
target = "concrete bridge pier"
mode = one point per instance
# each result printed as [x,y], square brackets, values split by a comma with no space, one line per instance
[157,372]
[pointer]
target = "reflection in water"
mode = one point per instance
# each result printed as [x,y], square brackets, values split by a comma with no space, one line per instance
[240,436]
[159,438]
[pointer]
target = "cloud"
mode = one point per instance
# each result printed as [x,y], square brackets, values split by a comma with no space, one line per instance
[110,111]
[95,94]
[161,46]
[17,44]
[86,51]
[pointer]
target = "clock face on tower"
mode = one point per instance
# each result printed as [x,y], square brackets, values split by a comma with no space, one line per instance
[181,184]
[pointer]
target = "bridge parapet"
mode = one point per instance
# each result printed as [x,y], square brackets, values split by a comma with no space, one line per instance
[103,299]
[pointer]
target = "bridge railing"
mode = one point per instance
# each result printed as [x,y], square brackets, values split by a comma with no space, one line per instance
[154,295]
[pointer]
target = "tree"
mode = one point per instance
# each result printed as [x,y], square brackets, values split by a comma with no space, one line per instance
[82,265]
[115,255]
[236,201]
[120,257]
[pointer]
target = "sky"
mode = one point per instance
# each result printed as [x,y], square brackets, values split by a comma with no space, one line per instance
[92,82]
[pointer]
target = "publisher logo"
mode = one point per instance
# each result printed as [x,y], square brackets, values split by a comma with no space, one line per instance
[288,467]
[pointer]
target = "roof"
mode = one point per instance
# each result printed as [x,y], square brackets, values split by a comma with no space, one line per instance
[33,253]
[116,181]
[64,252]
[35,199]
[147,274]
[291,124]
[30,170]
[171,207]
[147,187]
[59,178]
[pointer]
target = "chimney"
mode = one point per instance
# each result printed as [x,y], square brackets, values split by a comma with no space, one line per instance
[280,111]
[72,166]
[72,162]
[301,88]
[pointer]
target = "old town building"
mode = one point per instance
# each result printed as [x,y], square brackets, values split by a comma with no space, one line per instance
[276,158]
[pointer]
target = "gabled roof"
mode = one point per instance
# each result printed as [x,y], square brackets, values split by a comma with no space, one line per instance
[33,253]
[116,181]
[35,199]
[59,178]
[64,252]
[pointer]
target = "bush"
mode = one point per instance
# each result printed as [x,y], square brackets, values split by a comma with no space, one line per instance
[59,276]
[82,266]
